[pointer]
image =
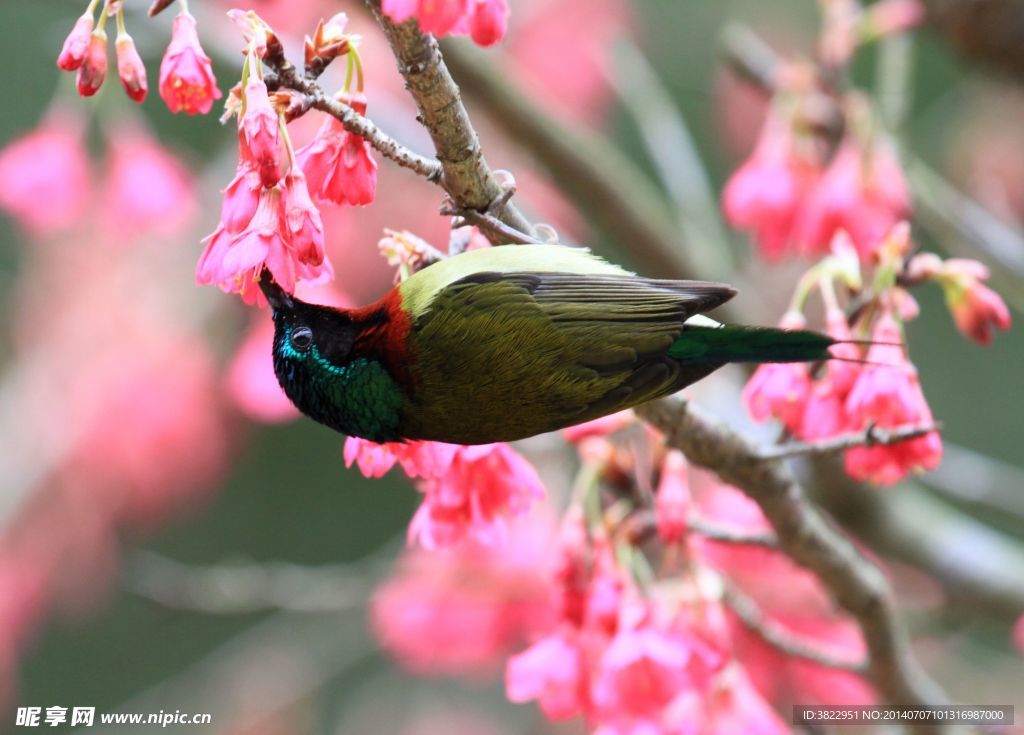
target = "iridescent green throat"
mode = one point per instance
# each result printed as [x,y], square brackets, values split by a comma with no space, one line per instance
[358,397]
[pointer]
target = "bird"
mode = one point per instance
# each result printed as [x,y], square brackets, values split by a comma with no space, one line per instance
[502,343]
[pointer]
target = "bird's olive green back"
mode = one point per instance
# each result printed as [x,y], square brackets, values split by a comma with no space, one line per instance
[420,290]
[501,356]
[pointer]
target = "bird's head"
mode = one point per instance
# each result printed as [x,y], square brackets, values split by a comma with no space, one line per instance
[313,348]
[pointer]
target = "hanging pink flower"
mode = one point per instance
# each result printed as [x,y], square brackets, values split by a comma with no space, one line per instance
[484,485]
[76,45]
[888,394]
[552,671]
[863,192]
[241,197]
[439,17]
[187,83]
[45,176]
[766,193]
[93,69]
[260,141]
[977,310]
[130,68]
[824,413]
[338,164]
[488,21]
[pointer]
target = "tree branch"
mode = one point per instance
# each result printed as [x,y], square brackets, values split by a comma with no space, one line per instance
[991,31]
[778,636]
[286,75]
[466,176]
[869,437]
[807,537]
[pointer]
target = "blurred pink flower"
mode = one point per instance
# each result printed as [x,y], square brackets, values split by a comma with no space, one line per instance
[766,193]
[130,68]
[461,611]
[672,500]
[93,69]
[553,672]
[562,48]
[888,394]
[598,427]
[45,175]
[187,83]
[488,21]
[338,164]
[778,390]
[439,17]
[260,145]
[419,459]
[733,705]
[153,440]
[863,192]
[147,190]
[824,413]
[977,309]
[76,45]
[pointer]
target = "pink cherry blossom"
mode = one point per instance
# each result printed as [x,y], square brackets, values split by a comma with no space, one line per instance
[93,69]
[338,164]
[778,390]
[259,133]
[888,394]
[488,21]
[863,192]
[187,83]
[76,45]
[241,198]
[598,427]
[483,487]
[672,500]
[462,610]
[130,68]
[766,193]
[45,176]
[419,459]
[824,413]
[439,17]
[977,310]
[553,672]
[148,190]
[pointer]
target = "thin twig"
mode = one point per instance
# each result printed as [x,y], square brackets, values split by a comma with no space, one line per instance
[490,225]
[232,589]
[807,537]
[728,536]
[286,75]
[869,437]
[777,636]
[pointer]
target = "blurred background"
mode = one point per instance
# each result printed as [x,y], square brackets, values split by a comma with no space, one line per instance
[160,510]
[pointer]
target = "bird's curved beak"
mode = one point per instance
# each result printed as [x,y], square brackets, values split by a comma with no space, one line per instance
[276,295]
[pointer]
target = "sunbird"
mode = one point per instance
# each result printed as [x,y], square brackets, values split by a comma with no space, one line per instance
[502,343]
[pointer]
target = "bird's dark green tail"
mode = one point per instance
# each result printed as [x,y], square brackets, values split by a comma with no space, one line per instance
[730,343]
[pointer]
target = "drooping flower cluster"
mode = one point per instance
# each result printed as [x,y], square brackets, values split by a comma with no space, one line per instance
[879,387]
[268,218]
[468,491]
[485,21]
[186,75]
[793,205]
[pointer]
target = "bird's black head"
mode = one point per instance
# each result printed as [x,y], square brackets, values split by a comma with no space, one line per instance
[320,369]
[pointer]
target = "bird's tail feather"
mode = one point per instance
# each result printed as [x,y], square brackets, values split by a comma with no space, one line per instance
[730,343]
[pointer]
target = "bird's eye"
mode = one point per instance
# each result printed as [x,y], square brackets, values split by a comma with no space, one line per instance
[302,338]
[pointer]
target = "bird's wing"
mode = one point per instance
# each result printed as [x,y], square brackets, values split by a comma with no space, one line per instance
[554,348]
